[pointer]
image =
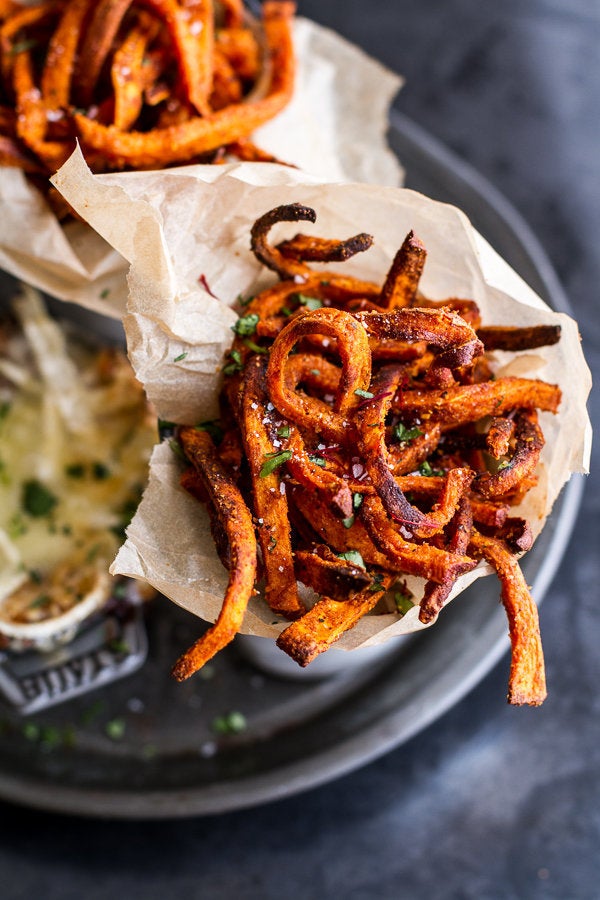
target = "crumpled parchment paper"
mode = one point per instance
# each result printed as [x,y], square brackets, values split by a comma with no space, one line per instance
[177,228]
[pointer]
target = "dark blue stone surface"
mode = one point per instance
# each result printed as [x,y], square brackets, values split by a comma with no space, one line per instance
[489,802]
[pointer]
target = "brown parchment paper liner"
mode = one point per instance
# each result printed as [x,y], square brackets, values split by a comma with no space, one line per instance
[177,333]
[334,128]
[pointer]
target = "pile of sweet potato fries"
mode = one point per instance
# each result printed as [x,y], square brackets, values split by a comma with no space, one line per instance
[139,83]
[363,437]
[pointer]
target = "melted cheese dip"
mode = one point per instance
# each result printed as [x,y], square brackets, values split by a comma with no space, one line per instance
[75,440]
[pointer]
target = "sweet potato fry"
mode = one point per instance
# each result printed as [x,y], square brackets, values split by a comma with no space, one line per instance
[236,521]
[326,573]
[527,680]
[325,623]
[402,281]
[269,501]
[514,338]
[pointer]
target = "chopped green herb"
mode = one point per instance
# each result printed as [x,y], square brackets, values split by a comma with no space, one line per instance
[366,395]
[236,365]
[104,293]
[22,46]
[115,729]
[272,544]
[212,427]
[176,448]
[426,469]
[119,646]
[5,408]
[357,500]
[316,372]
[377,583]
[244,301]
[50,737]
[317,460]
[404,434]
[246,325]
[273,461]
[348,522]
[310,303]
[286,311]
[230,723]
[503,464]
[40,601]
[35,576]
[16,526]
[403,602]
[256,348]
[284,431]
[92,553]
[354,557]
[31,731]
[100,471]
[36,499]
[180,357]
[75,470]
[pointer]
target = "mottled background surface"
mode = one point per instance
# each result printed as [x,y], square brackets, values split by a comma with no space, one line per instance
[488,802]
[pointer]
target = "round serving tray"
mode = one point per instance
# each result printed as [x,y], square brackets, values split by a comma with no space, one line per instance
[147,747]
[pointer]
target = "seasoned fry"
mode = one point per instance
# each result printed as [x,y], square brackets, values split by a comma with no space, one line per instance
[140,83]
[377,444]
[236,522]
[527,680]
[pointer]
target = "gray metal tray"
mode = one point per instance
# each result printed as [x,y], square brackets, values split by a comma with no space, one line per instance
[146,747]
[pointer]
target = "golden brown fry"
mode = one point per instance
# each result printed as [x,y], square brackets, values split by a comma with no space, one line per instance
[314,249]
[435,595]
[200,134]
[509,338]
[402,282]
[353,348]
[269,500]
[327,621]
[468,403]
[236,521]
[527,680]
[406,557]
[326,573]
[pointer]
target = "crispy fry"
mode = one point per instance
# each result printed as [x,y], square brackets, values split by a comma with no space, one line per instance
[364,470]
[325,623]
[527,680]
[189,98]
[507,338]
[270,503]
[353,348]
[236,521]
[402,281]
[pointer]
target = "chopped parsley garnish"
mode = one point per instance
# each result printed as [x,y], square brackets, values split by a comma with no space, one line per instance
[212,427]
[273,461]
[404,434]
[176,448]
[104,294]
[366,395]
[246,325]
[354,557]
[426,469]
[180,357]
[120,647]
[16,526]
[75,470]
[284,431]
[272,544]
[22,46]
[348,522]
[244,301]
[256,348]
[310,303]
[115,729]
[377,583]
[317,460]
[231,723]
[100,471]
[235,365]
[357,500]
[40,601]
[403,602]
[36,499]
